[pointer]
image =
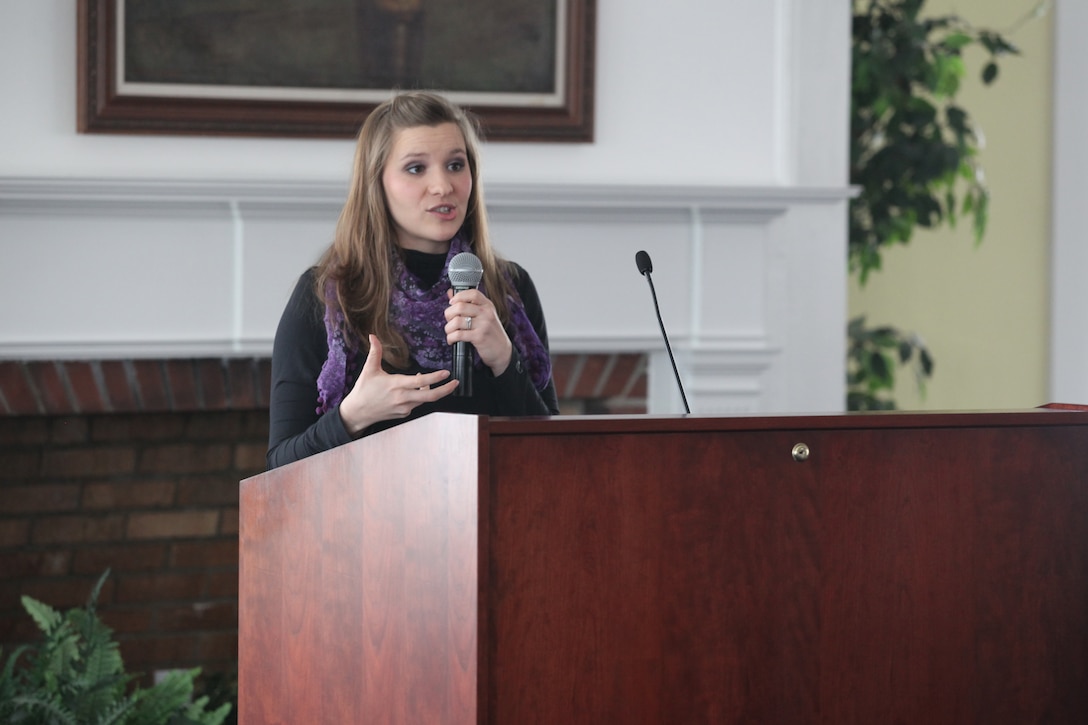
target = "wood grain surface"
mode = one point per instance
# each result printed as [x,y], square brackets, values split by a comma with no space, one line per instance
[914,569]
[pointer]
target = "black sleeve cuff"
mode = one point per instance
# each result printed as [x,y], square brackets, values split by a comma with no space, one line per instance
[518,395]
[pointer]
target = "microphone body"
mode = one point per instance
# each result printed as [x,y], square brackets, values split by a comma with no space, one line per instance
[462,368]
[645,267]
[465,272]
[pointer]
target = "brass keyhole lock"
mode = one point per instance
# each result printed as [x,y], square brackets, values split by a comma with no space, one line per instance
[800,452]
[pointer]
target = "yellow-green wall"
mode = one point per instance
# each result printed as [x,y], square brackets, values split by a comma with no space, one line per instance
[984,311]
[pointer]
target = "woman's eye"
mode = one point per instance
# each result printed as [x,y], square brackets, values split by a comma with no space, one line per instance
[414,169]
[456,165]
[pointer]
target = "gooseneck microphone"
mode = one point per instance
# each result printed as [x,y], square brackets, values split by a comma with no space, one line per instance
[645,267]
[465,273]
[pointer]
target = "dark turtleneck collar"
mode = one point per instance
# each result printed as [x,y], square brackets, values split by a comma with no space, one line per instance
[426,267]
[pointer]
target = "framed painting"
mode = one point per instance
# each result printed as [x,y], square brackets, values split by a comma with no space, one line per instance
[315,68]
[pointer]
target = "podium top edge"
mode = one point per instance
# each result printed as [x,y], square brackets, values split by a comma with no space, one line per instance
[1050,415]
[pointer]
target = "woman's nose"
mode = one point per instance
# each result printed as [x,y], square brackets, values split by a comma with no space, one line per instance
[440,184]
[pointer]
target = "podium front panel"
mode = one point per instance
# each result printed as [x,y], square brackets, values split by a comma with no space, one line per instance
[912,568]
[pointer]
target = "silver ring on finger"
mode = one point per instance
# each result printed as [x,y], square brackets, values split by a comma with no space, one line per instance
[468,323]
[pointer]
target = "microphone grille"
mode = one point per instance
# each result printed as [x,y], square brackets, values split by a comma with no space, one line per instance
[466,270]
[642,260]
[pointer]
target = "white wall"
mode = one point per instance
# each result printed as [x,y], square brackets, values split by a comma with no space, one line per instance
[688,92]
[721,148]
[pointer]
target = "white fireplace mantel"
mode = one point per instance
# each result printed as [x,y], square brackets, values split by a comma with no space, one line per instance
[751,280]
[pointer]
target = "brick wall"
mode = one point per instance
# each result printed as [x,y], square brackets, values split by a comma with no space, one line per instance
[134,466]
[153,497]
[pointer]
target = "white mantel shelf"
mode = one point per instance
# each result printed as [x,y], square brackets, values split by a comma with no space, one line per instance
[751,280]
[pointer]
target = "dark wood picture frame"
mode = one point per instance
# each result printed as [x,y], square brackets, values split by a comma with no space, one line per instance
[102,109]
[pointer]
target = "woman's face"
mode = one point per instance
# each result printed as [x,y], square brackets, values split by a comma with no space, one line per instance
[427,183]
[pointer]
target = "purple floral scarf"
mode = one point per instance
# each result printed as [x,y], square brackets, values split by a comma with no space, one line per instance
[418,314]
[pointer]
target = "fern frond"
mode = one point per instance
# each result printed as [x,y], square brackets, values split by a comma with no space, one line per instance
[8,673]
[197,714]
[43,615]
[216,717]
[76,676]
[169,697]
[97,695]
[103,659]
[60,654]
[54,713]
[92,600]
[118,712]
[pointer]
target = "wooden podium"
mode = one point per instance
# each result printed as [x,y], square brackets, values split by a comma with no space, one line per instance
[913,568]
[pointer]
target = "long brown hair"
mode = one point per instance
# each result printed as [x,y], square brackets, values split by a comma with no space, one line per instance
[358,263]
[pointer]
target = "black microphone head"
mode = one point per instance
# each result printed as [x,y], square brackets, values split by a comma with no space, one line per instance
[465,270]
[644,264]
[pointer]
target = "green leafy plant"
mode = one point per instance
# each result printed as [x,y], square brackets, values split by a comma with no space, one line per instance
[872,358]
[75,676]
[913,158]
[222,687]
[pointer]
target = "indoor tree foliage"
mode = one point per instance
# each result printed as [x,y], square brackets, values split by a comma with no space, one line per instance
[913,158]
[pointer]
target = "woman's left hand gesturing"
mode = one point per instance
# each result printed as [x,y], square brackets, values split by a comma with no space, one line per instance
[471,318]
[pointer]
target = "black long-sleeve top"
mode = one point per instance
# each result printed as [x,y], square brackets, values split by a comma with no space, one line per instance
[296,430]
